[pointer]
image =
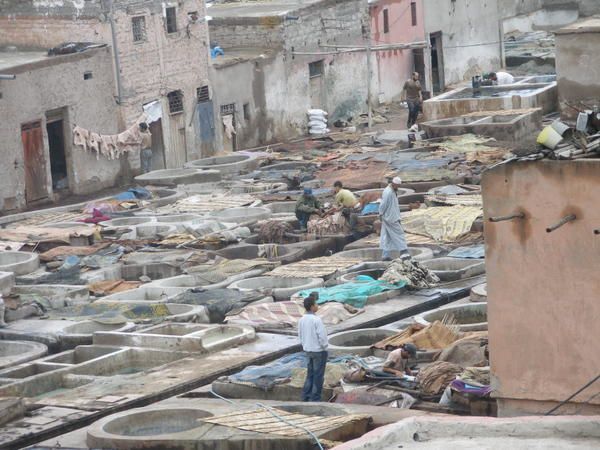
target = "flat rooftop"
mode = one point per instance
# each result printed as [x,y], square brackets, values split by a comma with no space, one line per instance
[11,59]
[257,9]
[589,25]
[239,55]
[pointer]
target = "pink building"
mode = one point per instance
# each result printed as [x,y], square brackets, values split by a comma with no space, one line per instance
[396,22]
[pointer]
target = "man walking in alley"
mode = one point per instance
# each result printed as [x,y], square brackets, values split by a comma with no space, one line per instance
[146,153]
[313,336]
[411,93]
[392,234]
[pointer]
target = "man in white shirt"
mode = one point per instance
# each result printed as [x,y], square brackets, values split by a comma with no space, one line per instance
[313,336]
[501,78]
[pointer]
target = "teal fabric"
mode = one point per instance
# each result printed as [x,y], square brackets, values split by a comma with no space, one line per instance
[354,293]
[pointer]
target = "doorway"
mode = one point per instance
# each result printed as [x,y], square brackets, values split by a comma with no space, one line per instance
[56,147]
[419,67]
[437,62]
[315,81]
[158,149]
[34,161]
[229,127]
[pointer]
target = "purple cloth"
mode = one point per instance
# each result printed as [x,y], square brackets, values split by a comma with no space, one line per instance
[461,386]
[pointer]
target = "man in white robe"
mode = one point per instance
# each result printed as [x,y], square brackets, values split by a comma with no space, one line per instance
[392,234]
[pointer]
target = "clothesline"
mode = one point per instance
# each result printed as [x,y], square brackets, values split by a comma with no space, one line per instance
[110,146]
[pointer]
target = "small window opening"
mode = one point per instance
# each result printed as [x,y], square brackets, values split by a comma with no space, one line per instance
[246,111]
[171,19]
[386,21]
[315,69]
[203,94]
[88,75]
[413,13]
[175,102]
[138,26]
[227,109]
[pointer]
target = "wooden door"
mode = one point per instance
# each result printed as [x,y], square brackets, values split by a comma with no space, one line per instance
[158,148]
[34,161]
[175,152]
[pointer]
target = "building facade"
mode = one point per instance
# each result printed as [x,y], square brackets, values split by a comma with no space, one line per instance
[159,55]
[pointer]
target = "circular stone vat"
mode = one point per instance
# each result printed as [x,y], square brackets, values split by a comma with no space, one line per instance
[127,221]
[375,254]
[314,410]
[373,273]
[279,288]
[151,231]
[165,197]
[285,254]
[146,429]
[282,208]
[241,215]
[357,342]
[18,352]
[173,177]
[479,293]
[20,263]
[67,225]
[229,164]
[285,166]
[452,269]
[178,218]
[469,316]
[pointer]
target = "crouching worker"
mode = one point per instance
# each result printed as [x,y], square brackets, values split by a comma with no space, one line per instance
[397,361]
[313,336]
[306,206]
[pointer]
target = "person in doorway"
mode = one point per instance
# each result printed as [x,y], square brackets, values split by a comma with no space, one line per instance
[392,234]
[146,152]
[306,206]
[397,361]
[347,203]
[500,78]
[313,337]
[413,95]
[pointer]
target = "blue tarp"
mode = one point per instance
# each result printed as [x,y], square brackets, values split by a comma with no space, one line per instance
[138,193]
[354,293]
[473,252]
[370,208]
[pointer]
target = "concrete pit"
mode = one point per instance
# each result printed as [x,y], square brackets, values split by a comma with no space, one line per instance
[174,177]
[241,215]
[58,295]
[464,100]
[479,293]
[182,337]
[153,231]
[81,333]
[20,263]
[357,342]
[154,271]
[7,281]
[373,273]
[13,353]
[452,269]
[227,165]
[127,221]
[469,316]
[285,254]
[147,293]
[279,288]
[179,218]
[375,254]
[165,197]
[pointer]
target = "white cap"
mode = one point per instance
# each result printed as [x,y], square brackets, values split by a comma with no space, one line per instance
[397,180]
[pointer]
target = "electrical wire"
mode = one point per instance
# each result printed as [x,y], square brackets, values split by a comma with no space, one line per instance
[581,389]
[277,416]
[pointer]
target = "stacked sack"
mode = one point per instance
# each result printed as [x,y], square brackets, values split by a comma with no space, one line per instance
[317,121]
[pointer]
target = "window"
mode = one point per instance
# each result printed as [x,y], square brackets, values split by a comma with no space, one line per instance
[246,111]
[413,13]
[386,21]
[138,26]
[227,109]
[171,19]
[315,69]
[88,75]
[175,102]
[203,94]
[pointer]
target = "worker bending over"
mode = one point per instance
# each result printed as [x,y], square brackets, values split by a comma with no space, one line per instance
[306,206]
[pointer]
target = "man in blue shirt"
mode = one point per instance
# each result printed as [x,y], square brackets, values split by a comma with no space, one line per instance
[313,336]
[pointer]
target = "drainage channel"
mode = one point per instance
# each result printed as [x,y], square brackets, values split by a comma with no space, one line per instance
[437,300]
